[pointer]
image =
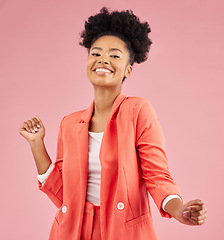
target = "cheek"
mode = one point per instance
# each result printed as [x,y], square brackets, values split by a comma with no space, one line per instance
[121,67]
[89,64]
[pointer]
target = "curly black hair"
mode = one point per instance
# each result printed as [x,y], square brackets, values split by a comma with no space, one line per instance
[124,25]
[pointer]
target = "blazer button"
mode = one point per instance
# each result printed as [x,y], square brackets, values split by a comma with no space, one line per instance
[120,206]
[64,209]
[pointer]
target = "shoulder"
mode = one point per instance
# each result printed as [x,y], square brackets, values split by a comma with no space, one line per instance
[140,107]
[137,103]
[73,117]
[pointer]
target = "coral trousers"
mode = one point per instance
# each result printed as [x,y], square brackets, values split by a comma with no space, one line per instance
[91,222]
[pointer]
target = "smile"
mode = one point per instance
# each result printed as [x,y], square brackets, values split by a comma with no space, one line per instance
[102,70]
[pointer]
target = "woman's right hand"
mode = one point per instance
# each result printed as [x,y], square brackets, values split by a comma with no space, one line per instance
[32,130]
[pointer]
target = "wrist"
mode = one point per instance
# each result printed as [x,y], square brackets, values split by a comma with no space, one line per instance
[174,207]
[36,142]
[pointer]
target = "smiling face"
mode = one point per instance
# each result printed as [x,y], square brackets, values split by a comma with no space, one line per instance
[108,62]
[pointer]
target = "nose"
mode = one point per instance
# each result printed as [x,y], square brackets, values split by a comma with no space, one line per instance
[103,59]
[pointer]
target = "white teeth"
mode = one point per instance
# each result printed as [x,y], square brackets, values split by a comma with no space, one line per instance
[102,70]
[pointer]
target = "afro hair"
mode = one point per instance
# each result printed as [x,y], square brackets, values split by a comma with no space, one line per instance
[124,25]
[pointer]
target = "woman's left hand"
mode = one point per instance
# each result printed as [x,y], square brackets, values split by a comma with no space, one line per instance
[193,213]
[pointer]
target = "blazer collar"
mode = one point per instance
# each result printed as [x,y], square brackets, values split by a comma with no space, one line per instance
[87,114]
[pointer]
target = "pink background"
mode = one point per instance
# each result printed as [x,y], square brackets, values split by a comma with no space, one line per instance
[42,71]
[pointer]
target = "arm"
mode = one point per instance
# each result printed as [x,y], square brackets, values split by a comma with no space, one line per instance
[150,145]
[42,177]
[34,132]
[40,155]
[53,185]
[167,199]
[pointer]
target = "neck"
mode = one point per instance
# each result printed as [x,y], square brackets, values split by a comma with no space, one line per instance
[104,99]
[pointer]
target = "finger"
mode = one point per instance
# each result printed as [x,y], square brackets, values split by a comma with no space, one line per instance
[39,121]
[198,218]
[195,202]
[31,127]
[197,222]
[194,214]
[34,123]
[25,127]
[195,205]
[196,208]
[198,213]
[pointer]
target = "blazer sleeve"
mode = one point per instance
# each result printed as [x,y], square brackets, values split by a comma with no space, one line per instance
[150,145]
[53,186]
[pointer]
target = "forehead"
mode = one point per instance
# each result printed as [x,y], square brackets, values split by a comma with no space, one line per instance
[109,42]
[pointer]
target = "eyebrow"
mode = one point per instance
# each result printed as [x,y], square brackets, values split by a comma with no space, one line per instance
[111,49]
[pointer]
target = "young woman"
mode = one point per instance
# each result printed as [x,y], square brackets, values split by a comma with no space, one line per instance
[112,154]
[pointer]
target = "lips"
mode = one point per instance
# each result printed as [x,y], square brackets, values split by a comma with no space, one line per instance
[103,69]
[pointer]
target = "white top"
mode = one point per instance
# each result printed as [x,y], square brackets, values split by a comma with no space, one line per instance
[94,172]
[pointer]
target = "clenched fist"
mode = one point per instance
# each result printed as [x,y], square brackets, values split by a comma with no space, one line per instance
[32,130]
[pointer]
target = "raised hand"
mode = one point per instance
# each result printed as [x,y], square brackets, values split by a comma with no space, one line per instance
[32,129]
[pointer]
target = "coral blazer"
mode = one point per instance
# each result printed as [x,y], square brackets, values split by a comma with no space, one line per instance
[133,164]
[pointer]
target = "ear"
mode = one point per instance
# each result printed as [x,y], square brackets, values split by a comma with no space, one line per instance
[128,70]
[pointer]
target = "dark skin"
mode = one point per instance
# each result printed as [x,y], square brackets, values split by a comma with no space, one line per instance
[106,52]
[107,64]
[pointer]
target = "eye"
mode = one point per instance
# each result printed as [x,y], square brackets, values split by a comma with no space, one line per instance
[95,54]
[115,56]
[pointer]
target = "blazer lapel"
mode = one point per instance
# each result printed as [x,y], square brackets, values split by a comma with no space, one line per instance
[82,139]
[83,148]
